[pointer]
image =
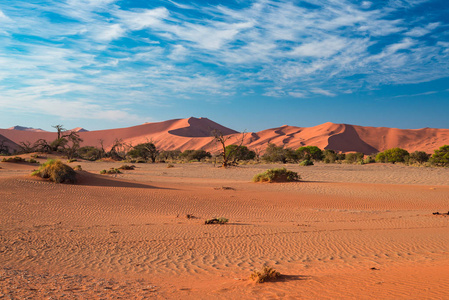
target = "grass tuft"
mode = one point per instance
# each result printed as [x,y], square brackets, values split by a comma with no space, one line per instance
[264,274]
[220,220]
[56,171]
[277,175]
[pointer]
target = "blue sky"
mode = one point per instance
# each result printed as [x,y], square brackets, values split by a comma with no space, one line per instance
[245,64]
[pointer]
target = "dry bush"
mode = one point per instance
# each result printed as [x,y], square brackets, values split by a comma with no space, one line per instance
[16,159]
[111,171]
[56,171]
[264,274]
[219,220]
[277,175]
[127,167]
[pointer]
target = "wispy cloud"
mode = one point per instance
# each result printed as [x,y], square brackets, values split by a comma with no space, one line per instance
[154,53]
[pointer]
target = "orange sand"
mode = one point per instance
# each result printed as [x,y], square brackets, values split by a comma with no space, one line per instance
[128,235]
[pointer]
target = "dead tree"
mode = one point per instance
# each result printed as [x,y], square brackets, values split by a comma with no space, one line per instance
[223,139]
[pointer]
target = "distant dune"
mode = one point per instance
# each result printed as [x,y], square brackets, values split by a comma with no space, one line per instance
[195,133]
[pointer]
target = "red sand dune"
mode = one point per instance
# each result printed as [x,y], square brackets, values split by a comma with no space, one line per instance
[195,133]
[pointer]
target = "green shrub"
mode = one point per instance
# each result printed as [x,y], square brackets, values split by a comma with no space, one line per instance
[16,159]
[419,157]
[441,156]
[90,153]
[393,155]
[310,152]
[145,151]
[219,220]
[236,153]
[274,153]
[264,274]
[194,155]
[56,171]
[33,161]
[306,163]
[277,175]
[329,156]
[352,158]
[111,171]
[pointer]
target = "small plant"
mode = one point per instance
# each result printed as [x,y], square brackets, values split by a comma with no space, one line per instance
[33,161]
[56,171]
[170,166]
[16,159]
[264,274]
[306,162]
[126,167]
[220,220]
[78,168]
[277,175]
[111,171]
[71,160]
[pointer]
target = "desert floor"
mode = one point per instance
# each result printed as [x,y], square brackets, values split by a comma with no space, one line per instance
[343,232]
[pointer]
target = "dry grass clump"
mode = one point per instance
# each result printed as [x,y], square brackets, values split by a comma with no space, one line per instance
[78,168]
[127,167]
[219,220]
[16,159]
[277,175]
[111,171]
[264,274]
[56,171]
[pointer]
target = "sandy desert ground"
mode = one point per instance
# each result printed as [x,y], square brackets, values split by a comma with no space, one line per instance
[343,232]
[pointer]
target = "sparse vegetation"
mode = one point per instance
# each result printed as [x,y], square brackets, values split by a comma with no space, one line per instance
[145,151]
[15,159]
[78,168]
[277,175]
[192,155]
[220,220]
[111,171]
[33,161]
[310,153]
[393,155]
[306,162]
[264,274]
[441,156]
[56,171]
[236,153]
[127,167]
[353,158]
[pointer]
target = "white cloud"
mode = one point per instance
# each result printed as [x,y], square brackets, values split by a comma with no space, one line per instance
[145,18]
[324,48]
[322,92]
[366,4]
[297,94]
[179,52]
[108,33]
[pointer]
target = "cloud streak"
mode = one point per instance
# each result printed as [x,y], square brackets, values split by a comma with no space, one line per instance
[66,52]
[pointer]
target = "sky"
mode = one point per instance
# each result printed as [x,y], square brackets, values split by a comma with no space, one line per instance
[248,65]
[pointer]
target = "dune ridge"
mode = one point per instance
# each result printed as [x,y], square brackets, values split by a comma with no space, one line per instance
[195,133]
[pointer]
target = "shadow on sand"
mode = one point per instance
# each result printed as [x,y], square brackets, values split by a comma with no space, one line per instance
[89,179]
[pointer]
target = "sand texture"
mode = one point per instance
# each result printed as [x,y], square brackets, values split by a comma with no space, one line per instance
[343,232]
[195,133]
